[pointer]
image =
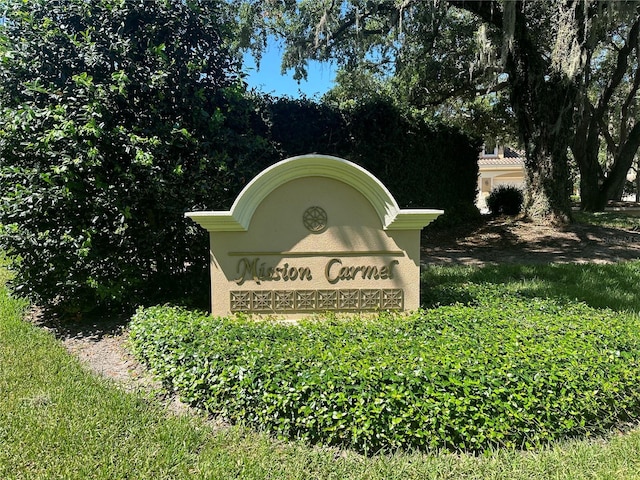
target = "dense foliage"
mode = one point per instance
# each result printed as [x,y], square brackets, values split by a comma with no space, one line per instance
[549,59]
[505,200]
[116,118]
[607,119]
[424,165]
[506,372]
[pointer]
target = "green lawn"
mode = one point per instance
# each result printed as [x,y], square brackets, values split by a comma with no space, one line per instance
[613,286]
[57,420]
[609,219]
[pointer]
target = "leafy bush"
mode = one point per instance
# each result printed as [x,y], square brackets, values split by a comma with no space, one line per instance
[507,372]
[116,118]
[505,200]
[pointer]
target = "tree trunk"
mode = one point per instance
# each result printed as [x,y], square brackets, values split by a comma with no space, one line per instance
[592,198]
[543,101]
[546,167]
[619,192]
[595,188]
[622,164]
[543,105]
[638,182]
[585,148]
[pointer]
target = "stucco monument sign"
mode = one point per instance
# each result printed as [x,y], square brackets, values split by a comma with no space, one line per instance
[314,234]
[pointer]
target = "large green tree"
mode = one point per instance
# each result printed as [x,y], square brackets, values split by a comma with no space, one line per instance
[540,49]
[116,117]
[609,111]
[437,73]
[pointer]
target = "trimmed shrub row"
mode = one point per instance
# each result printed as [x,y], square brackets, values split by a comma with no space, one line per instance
[510,373]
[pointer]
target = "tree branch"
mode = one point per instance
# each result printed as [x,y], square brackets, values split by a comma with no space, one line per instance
[612,146]
[465,88]
[487,11]
[622,63]
[354,18]
[624,111]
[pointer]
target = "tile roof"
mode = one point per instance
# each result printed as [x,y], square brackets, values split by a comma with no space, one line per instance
[510,157]
[511,153]
[501,161]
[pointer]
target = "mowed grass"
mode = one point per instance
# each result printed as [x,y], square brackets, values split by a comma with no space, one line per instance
[609,219]
[614,286]
[59,421]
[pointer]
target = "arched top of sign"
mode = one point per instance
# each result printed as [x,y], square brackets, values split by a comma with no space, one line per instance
[242,210]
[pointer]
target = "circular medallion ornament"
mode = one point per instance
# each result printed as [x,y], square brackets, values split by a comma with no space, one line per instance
[315,219]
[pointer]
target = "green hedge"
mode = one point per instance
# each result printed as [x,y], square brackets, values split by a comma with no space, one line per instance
[423,164]
[510,373]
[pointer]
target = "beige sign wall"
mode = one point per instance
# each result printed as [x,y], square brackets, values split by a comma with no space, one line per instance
[314,234]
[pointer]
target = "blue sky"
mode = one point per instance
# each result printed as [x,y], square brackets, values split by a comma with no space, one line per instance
[268,78]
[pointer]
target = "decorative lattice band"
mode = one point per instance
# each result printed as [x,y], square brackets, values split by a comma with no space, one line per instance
[316,300]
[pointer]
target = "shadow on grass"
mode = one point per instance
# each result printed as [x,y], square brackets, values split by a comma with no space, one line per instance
[615,286]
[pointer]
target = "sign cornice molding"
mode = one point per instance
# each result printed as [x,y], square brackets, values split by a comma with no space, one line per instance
[239,216]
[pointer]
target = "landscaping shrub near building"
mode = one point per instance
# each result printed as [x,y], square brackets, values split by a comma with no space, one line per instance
[505,200]
[507,372]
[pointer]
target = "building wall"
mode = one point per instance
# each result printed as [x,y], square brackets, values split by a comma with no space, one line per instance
[496,169]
